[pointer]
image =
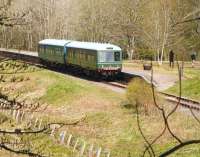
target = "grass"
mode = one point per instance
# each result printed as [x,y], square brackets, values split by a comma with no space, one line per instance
[138,65]
[108,123]
[39,142]
[190,82]
[190,85]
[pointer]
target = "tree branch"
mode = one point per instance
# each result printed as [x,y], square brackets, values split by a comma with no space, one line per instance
[179,146]
[23,152]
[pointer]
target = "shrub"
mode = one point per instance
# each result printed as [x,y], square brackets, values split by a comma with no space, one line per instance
[146,54]
[139,92]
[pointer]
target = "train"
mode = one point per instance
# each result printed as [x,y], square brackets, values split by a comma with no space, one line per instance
[91,57]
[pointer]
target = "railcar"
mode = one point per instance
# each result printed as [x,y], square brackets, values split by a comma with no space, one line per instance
[98,58]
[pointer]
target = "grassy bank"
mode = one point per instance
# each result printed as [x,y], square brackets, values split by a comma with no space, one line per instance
[108,123]
[190,84]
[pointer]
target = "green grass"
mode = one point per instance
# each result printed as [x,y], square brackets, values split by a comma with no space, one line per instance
[38,143]
[108,124]
[190,85]
[190,82]
[64,90]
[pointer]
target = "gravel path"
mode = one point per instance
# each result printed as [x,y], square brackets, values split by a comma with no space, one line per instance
[161,81]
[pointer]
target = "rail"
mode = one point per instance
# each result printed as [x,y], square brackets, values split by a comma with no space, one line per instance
[32,58]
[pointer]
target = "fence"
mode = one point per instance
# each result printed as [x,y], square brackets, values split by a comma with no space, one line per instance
[76,144]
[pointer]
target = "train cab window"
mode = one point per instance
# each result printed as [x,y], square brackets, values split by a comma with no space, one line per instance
[106,56]
[117,56]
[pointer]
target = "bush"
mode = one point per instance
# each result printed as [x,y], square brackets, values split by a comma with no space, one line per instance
[146,54]
[139,92]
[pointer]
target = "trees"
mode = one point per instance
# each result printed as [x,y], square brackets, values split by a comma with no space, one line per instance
[156,25]
[163,27]
[127,23]
[10,16]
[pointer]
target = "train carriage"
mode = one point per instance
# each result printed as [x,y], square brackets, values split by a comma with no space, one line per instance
[101,58]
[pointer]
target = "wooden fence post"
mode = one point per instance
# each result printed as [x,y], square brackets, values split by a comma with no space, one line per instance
[108,154]
[22,116]
[36,122]
[62,137]
[99,152]
[40,124]
[52,131]
[14,114]
[82,149]
[69,140]
[90,154]
[75,145]
[17,116]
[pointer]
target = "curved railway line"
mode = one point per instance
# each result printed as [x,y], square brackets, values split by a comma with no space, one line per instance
[32,58]
[185,102]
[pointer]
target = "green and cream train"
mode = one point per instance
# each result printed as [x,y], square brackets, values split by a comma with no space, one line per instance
[98,58]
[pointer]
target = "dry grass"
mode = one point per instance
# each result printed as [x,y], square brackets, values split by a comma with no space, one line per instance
[109,123]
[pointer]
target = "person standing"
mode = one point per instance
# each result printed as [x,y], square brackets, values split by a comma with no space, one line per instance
[193,57]
[171,59]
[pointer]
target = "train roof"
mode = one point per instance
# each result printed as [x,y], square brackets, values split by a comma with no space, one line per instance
[54,42]
[93,46]
[81,45]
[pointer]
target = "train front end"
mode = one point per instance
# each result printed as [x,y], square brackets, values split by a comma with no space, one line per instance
[110,61]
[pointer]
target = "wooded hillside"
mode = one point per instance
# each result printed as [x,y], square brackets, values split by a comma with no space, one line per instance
[140,27]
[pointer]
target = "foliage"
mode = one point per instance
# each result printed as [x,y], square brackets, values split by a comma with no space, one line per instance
[146,54]
[140,93]
[157,25]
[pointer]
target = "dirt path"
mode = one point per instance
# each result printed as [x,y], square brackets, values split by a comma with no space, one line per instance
[161,80]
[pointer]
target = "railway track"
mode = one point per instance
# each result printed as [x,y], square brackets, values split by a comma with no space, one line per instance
[185,102]
[32,58]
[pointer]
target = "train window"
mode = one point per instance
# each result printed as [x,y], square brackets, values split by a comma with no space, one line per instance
[106,56]
[73,54]
[86,57]
[58,52]
[109,57]
[70,54]
[117,56]
[52,51]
